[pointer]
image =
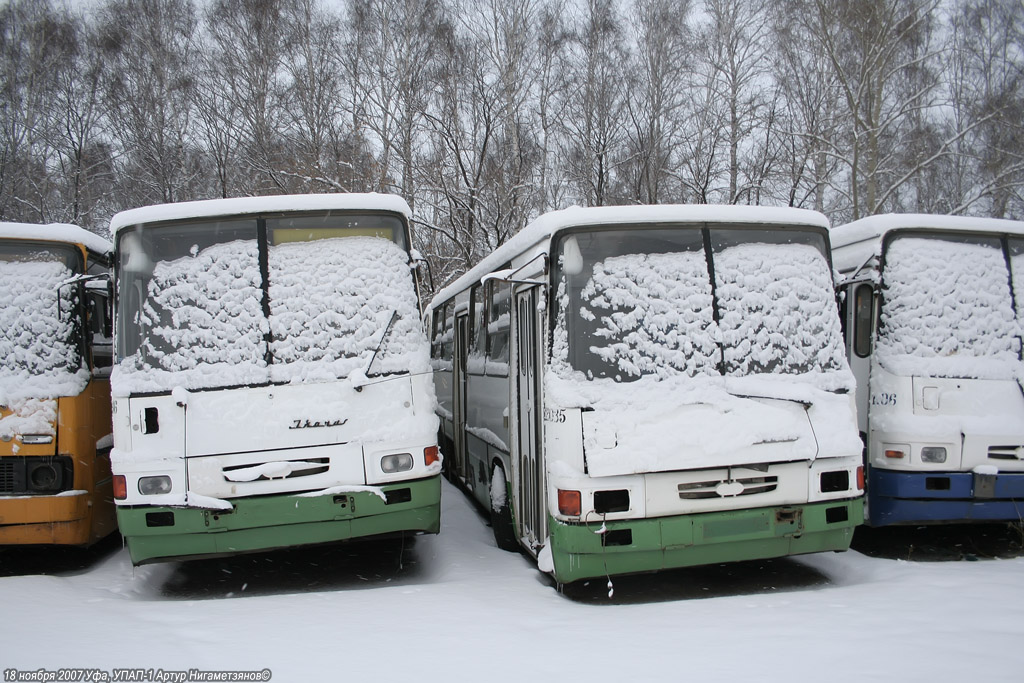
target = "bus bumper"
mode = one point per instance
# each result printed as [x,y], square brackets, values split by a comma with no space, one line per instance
[45,520]
[937,497]
[644,545]
[259,523]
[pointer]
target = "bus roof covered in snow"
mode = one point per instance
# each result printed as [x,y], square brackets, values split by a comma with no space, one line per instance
[255,205]
[854,244]
[55,232]
[550,223]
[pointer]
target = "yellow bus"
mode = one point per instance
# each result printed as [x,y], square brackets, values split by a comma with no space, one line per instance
[55,359]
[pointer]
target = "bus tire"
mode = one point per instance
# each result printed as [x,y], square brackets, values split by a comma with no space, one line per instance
[501,512]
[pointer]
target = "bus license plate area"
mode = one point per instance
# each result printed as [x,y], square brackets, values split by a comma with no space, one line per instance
[984,485]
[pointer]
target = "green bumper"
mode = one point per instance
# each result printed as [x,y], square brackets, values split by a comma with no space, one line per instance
[644,545]
[155,533]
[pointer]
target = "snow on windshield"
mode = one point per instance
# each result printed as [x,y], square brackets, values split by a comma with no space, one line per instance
[330,302]
[667,387]
[948,310]
[777,310]
[652,314]
[203,323]
[37,356]
[655,312]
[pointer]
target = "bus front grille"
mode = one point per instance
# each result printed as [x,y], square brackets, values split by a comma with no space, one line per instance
[727,488]
[1005,452]
[6,477]
[290,469]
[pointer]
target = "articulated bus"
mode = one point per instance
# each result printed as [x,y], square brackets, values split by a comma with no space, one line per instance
[271,385]
[629,389]
[55,355]
[933,307]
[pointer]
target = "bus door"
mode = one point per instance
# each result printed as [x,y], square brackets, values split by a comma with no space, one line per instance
[531,498]
[459,395]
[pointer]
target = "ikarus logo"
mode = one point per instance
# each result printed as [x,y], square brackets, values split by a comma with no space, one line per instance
[311,424]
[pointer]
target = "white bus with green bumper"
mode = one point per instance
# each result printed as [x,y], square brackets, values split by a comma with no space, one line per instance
[630,389]
[271,384]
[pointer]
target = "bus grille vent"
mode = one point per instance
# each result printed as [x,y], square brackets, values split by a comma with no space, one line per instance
[6,477]
[1006,452]
[717,488]
[287,469]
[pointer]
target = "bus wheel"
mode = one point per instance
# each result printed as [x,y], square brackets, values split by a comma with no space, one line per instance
[501,512]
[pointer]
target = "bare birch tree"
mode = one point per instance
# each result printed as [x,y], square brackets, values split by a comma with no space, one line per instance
[592,121]
[657,86]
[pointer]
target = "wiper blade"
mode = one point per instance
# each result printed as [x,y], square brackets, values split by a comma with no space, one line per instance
[380,344]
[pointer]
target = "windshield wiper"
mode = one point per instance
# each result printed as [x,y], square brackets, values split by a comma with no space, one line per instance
[380,344]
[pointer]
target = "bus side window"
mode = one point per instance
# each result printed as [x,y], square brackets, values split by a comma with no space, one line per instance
[448,335]
[478,313]
[435,333]
[441,341]
[498,321]
[862,318]
[842,299]
[100,332]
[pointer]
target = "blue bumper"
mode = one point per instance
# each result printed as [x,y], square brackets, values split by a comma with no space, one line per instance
[936,497]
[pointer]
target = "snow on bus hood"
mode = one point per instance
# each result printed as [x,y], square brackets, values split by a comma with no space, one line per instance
[680,423]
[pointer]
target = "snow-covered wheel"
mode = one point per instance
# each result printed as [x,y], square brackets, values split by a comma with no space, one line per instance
[501,512]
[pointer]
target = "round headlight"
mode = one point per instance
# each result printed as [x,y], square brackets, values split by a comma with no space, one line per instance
[44,477]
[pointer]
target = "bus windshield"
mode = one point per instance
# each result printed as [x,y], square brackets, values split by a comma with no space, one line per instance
[948,307]
[39,355]
[730,300]
[214,303]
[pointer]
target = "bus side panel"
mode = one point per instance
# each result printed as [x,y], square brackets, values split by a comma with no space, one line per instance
[486,431]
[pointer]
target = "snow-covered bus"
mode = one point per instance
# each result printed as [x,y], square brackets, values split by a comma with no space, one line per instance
[932,309]
[55,354]
[271,385]
[628,389]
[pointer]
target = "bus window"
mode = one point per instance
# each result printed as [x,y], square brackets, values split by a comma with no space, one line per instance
[100,328]
[478,318]
[862,320]
[498,310]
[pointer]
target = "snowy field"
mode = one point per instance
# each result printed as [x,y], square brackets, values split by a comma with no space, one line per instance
[455,608]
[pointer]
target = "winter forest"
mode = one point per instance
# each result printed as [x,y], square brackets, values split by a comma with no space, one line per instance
[485,113]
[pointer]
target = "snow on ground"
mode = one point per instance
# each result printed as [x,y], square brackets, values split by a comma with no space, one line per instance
[460,609]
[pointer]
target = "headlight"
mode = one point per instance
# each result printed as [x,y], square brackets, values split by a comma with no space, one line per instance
[35,439]
[44,477]
[154,486]
[933,454]
[399,462]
